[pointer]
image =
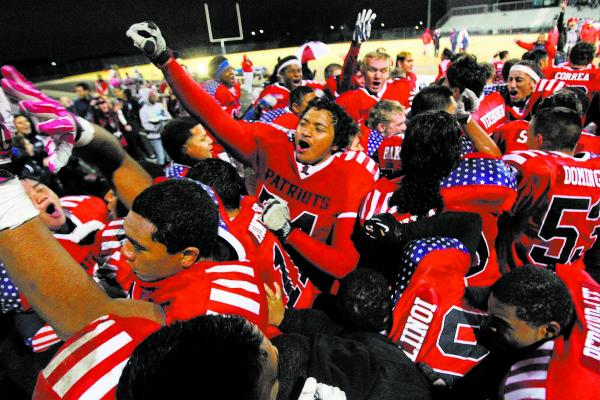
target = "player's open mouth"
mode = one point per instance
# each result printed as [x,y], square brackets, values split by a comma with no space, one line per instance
[52,211]
[302,146]
[297,82]
[376,84]
[513,93]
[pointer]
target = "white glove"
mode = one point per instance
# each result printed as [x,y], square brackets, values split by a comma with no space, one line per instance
[276,216]
[362,28]
[313,391]
[147,37]
[15,206]
[468,103]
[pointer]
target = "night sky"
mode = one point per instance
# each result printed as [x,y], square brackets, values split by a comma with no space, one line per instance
[66,29]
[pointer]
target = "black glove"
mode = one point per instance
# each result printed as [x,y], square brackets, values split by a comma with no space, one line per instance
[383,227]
[147,37]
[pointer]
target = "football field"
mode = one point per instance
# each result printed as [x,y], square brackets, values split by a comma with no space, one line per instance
[425,64]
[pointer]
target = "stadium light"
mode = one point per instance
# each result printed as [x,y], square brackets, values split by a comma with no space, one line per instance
[342,27]
[253,33]
[420,22]
[416,26]
[331,26]
[53,64]
[382,24]
[261,31]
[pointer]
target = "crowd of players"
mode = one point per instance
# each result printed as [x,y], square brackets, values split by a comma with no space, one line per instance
[358,238]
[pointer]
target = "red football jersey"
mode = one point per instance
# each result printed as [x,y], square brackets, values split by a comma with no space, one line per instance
[89,364]
[556,216]
[511,136]
[588,79]
[282,94]
[588,143]
[112,265]
[227,97]
[208,288]
[388,155]
[480,184]
[358,103]
[491,112]
[429,320]
[270,258]
[569,366]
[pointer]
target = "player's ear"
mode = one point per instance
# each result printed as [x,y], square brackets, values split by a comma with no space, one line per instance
[295,108]
[456,93]
[380,127]
[551,330]
[190,256]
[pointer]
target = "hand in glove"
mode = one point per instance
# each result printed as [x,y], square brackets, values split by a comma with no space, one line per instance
[468,103]
[276,216]
[147,37]
[362,28]
[383,227]
[319,391]
[15,206]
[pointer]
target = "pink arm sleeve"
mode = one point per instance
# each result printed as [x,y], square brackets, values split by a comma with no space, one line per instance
[237,137]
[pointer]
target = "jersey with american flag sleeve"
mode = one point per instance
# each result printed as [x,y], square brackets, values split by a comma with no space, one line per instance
[89,365]
[282,93]
[430,321]
[227,97]
[208,288]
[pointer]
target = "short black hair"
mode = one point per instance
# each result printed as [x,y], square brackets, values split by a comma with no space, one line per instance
[294,360]
[560,128]
[568,97]
[297,95]
[83,85]
[222,177]
[582,53]
[431,149]
[343,125]
[330,68]
[431,98]
[489,69]
[183,214]
[465,73]
[213,65]
[506,68]
[447,53]
[174,136]
[536,55]
[502,54]
[364,300]
[211,356]
[539,296]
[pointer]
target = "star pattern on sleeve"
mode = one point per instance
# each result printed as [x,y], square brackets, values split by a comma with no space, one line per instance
[375,139]
[480,171]
[9,293]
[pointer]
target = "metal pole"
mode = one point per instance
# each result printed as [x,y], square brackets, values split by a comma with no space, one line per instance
[223,48]
[429,13]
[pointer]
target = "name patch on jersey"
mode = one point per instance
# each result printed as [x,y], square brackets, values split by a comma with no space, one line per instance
[392,153]
[416,327]
[296,192]
[591,311]
[495,115]
[572,76]
[582,176]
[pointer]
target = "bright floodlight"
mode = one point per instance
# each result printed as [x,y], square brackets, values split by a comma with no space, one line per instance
[253,33]
[331,26]
[261,31]
[382,24]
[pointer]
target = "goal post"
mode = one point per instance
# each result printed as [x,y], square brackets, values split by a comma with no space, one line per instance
[222,40]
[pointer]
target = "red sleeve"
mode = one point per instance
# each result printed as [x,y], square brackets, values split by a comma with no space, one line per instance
[337,259]
[349,68]
[551,50]
[525,45]
[238,137]
[533,181]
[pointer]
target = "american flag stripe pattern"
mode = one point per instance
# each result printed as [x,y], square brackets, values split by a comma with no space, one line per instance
[363,159]
[480,171]
[527,378]
[43,339]
[413,254]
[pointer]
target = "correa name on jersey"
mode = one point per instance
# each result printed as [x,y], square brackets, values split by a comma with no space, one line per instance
[591,300]
[572,76]
[295,191]
[580,176]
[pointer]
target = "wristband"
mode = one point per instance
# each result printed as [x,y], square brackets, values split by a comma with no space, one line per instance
[15,206]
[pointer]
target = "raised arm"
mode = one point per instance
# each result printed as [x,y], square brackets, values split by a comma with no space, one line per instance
[237,137]
[362,33]
[53,283]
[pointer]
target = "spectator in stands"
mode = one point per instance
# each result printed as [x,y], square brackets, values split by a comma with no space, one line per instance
[82,105]
[102,87]
[453,39]
[498,61]
[437,35]
[463,40]
[153,117]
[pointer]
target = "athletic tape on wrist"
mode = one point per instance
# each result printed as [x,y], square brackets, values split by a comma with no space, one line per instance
[15,206]
[85,132]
